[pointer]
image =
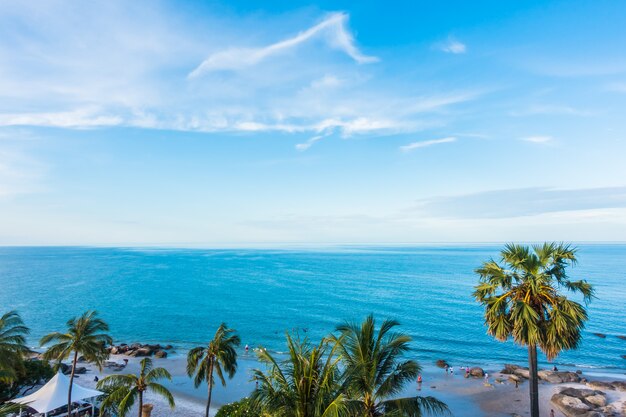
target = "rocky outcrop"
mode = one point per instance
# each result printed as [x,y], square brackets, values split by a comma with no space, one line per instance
[477,372]
[575,402]
[608,386]
[161,354]
[556,377]
[139,350]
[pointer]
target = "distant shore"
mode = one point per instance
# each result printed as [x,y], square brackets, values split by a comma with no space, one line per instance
[466,397]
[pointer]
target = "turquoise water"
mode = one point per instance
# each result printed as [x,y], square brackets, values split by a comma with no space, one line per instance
[179,296]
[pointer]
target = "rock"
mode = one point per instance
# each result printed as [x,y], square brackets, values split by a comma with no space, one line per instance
[143,352]
[622,337]
[81,359]
[65,369]
[509,369]
[596,400]
[160,354]
[579,372]
[477,372]
[441,363]
[579,393]
[600,385]
[168,347]
[80,370]
[623,356]
[619,385]
[522,372]
[515,378]
[570,406]
[114,350]
[600,335]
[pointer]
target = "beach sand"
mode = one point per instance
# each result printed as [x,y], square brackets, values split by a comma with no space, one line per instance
[465,397]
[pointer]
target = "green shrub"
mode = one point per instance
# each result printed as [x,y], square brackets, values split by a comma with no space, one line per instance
[241,408]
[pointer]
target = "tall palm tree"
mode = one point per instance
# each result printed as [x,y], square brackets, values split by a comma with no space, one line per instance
[306,384]
[219,355]
[85,336]
[376,372]
[523,296]
[12,344]
[124,390]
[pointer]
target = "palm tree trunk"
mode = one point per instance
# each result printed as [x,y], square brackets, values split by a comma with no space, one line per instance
[140,403]
[69,393]
[210,385]
[533,381]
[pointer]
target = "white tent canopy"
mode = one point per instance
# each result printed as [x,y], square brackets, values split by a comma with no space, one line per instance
[53,395]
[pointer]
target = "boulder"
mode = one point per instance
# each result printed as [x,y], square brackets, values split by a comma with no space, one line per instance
[600,385]
[160,354]
[575,402]
[622,337]
[600,335]
[477,372]
[168,347]
[114,350]
[619,385]
[509,369]
[515,378]
[80,370]
[441,363]
[522,372]
[596,400]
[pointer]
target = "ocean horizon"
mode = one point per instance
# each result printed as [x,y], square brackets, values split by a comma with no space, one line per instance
[180,295]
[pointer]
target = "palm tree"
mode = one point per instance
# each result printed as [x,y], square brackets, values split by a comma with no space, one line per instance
[12,344]
[306,384]
[219,353]
[7,410]
[376,372]
[124,390]
[85,336]
[523,299]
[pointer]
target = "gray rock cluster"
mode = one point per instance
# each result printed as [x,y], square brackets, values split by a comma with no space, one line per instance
[140,350]
[574,402]
[516,373]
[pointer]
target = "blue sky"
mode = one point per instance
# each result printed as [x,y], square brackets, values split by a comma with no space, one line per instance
[249,123]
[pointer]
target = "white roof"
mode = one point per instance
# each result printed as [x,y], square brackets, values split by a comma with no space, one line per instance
[53,395]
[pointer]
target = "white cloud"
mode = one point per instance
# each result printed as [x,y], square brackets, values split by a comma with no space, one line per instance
[334,27]
[426,143]
[539,139]
[452,46]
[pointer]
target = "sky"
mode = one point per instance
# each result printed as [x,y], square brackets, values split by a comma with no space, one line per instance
[205,123]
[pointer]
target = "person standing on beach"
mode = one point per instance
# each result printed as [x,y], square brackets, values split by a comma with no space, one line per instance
[551,412]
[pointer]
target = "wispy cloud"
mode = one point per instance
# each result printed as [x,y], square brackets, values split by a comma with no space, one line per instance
[539,139]
[334,27]
[452,46]
[426,143]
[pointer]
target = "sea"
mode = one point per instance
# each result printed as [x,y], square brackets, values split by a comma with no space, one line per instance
[180,296]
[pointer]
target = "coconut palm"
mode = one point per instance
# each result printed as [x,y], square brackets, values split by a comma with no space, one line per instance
[523,296]
[306,384]
[219,356]
[376,372]
[125,390]
[12,344]
[85,336]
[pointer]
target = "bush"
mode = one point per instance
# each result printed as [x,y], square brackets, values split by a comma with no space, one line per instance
[241,408]
[33,373]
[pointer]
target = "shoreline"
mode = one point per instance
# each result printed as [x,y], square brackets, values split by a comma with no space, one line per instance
[466,397]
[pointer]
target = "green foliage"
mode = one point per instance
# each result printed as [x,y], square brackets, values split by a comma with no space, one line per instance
[524,296]
[220,356]
[30,374]
[242,408]
[122,391]
[359,372]
[8,409]
[306,384]
[376,371]
[12,345]
[86,335]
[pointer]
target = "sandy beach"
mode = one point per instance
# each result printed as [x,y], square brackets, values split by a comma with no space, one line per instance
[466,397]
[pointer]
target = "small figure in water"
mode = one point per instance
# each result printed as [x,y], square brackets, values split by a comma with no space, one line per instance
[95,378]
[247,348]
[419,382]
[555,369]
[451,370]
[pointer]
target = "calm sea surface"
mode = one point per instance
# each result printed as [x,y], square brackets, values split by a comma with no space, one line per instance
[180,296]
